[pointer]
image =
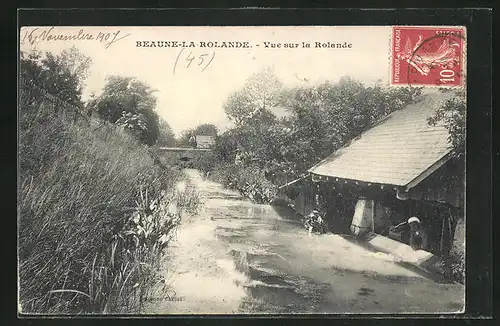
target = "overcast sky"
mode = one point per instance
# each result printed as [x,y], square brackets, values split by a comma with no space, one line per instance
[191,96]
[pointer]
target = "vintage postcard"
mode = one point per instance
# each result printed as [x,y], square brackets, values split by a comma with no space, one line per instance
[241,170]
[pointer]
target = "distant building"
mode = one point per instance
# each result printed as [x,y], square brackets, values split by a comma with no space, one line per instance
[204,141]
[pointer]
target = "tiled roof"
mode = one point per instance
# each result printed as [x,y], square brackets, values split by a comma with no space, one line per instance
[396,151]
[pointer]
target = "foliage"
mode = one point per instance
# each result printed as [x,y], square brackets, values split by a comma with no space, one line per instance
[127,94]
[187,137]
[227,144]
[80,190]
[249,180]
[61,75]
[166,136]
[321,119]
[328,116]
[260,92]
[452,114]
[134,123]
[453,266]
[206,162]
[85,194]
[458,265]
[206,129]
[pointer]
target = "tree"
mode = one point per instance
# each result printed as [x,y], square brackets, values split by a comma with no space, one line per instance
[188,136]
[206,129]
[453,114]
[62,76]
[323,118]
[259,93]
[184,139]
[122,95]
[77,64]
[134,123]
[328,116]
[166,136]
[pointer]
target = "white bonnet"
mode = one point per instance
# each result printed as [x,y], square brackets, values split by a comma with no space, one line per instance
[413,219]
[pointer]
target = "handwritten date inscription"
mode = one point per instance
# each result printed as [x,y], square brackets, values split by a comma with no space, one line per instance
[36,35]
[192,60]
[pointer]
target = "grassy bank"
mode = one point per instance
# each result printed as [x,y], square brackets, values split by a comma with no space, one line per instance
[95,214]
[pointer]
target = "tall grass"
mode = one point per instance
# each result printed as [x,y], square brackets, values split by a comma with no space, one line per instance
[94,216]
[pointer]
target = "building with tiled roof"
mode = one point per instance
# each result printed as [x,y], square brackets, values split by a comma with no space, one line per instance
[398,151]
[401,167]
[401,151]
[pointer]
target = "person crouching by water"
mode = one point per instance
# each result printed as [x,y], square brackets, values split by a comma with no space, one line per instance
[314,222]
[418,235]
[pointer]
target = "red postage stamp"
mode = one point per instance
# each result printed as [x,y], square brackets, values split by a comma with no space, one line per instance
[428,56]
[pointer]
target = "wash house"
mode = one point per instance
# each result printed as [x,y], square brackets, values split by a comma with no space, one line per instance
[399,168]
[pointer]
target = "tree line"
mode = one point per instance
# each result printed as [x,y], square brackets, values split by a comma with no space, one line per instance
[318,120]
[124,100]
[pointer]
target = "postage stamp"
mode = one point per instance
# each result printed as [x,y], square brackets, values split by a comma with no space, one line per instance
[431,56]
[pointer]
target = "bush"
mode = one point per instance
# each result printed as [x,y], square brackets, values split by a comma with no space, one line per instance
[458,265]
[207,162]
[94,216]
[249,180]
[453,265]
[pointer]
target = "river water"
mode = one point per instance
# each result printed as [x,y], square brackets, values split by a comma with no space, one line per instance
[240,257]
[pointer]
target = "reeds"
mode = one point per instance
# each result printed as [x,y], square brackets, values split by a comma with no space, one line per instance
[93,216]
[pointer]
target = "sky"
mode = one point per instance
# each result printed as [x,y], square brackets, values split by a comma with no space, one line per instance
[190,94]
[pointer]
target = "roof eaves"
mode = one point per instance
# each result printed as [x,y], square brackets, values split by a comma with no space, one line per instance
[292,182]
[431,169]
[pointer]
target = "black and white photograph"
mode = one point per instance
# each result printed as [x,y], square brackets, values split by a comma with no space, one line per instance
[185,170]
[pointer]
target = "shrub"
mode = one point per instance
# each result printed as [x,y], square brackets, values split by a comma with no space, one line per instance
[249,180]
[453,265]
[207,162]
[93,216]
[458,265]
